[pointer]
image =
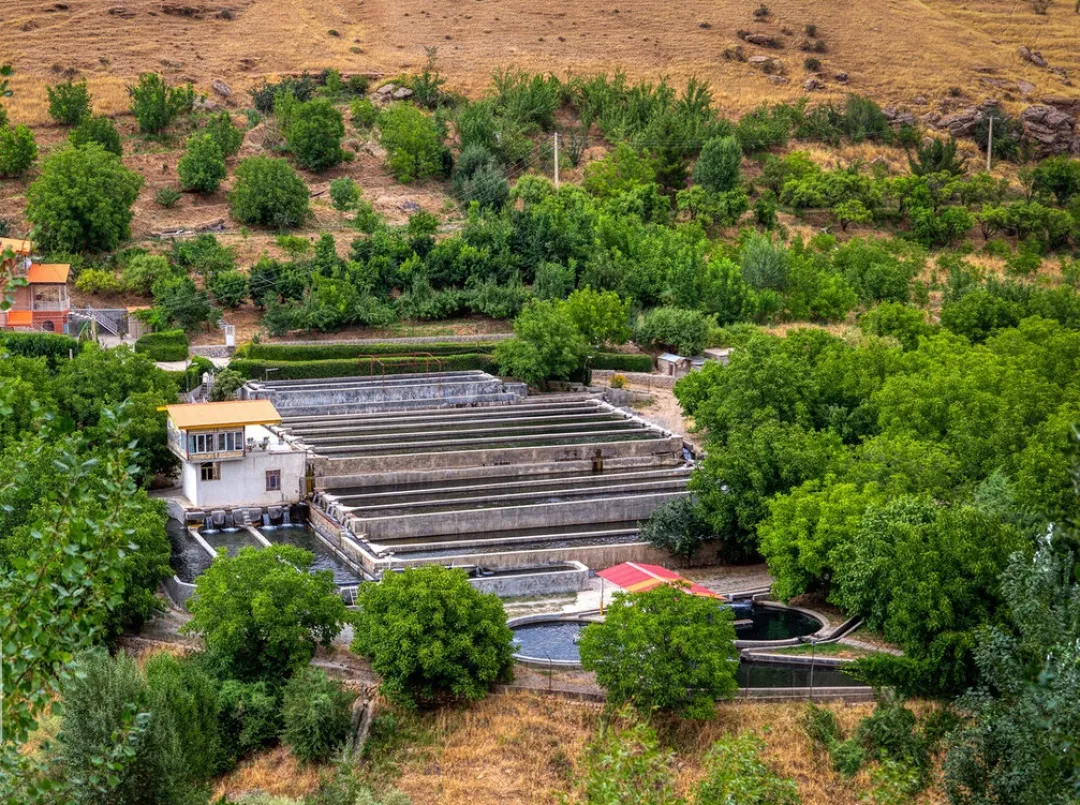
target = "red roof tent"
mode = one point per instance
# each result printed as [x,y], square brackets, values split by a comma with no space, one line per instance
[635,577]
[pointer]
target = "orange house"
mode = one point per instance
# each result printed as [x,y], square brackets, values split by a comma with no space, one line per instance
[43,303]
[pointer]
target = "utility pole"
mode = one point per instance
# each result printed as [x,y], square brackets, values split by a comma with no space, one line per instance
[990,144]
[556,160]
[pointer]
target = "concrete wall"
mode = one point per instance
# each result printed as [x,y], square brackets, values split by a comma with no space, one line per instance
[570,580]
[179,591]
[669,448]
[541,515]
[602,377]
[243,480]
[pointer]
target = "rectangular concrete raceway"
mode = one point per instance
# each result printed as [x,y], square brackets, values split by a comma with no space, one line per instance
[463,467]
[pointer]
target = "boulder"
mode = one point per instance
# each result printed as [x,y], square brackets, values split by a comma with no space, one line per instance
[841,77]
[221,88]
[401,93]
[1025,87]
[779,79]
[1032,56]
[1053,131]
[386,89]
[761,40]
[897,117]
[962,123]
[812,84]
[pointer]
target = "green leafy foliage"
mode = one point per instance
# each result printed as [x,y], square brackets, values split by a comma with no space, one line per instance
[317,714]
[344,194]
[69,103]
[82,200]
[171,345]
[624,765]
[18,151]
[678,527]
[735,773]
[202,167]
[225,133]
[431,636]
[262,613]
[100,130]
[155,104]
[313,134]
[664,649]
[717,169]
[685,331]
[546,344]
[413,142]
[268,191]
[229,288]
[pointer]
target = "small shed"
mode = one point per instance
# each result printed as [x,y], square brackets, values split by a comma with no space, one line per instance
[721,354]
[673,365]
[636,577]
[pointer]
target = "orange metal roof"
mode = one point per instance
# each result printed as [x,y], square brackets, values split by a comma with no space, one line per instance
[20,318]
[232,413]
[635,577]
[48,274]
[17,245]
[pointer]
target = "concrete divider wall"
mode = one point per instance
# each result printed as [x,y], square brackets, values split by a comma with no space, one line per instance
[603,377]
[512,518]
[179,591]
[553,582]
[330,483]
[669,448]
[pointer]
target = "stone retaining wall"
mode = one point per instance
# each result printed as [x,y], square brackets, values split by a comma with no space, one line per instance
[603,377]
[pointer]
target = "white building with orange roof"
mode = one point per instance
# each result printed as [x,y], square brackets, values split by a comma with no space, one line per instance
[231,457]
[42,303]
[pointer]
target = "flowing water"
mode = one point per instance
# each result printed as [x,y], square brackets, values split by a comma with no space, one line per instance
[325,559]
[188,557]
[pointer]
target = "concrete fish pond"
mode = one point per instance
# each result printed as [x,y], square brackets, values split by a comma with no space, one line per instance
[552,641]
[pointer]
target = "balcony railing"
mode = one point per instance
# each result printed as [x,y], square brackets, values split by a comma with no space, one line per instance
[50,305]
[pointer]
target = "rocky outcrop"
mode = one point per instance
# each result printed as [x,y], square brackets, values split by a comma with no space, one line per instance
[1032,56]
[896,117]
[1052,130]
[962,123]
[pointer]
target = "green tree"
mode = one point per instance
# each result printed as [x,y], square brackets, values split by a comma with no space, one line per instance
[621,170]
[100,130]
[664,649]
[268,191]
[313,134]
[679,527]
[225,133]
[1019,742]
[183,305]
[202,167]
[317,715]
[412,141]
[18,150]
[602,317]
[432,636]
[717,169]
[262,613]
[905,323]
[736,775]
[226,383]
[155,104]
[143,270]
[344,194]
[685,331]
[624,765]
[69,103]
[230,288]
[546,344]
[82,200]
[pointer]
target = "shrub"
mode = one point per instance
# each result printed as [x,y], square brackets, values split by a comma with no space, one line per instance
[717,169]
[202,167]
[249,718]
[344,367]
[18,150]
[363,113]
[225,133]
[167,197]
[812,64]
[820,726]
[487,186]
[98,281]
[261,613]
[864,120]
[664,649]
[678,527]
[622,362]
[170,345]
[203,254]
[313,134]
[143,270]
[602,317]
[344,194]
[546,344]
[618,381]
[621,170]
[431,635]
[1008,133]
[229,288]
[762,128]
[937,156]
[226,383]
[181,694]
[626,766]
[268,191]
[904,323]
[317,715]
[412,141]
[684,331]
[554,280]
[82,200]
[735,773]
[322,352]
[100,130]
[155,104]
[848,757]
[69,103]
[358,84]
[1059,176]
[51,346]
[181,304]
[765,264]
[302,88]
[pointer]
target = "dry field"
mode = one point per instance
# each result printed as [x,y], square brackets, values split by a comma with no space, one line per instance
[894,50]
[524,749]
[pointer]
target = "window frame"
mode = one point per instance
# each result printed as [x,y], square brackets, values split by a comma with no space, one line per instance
[276,475]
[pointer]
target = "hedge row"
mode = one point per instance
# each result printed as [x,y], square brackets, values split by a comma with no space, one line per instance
[328,352]
[169,345]
[303,370]
[40,345]
[621,362]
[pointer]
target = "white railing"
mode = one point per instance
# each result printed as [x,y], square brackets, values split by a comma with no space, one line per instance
[50,305]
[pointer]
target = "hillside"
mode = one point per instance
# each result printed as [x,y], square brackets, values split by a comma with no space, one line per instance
[893,50]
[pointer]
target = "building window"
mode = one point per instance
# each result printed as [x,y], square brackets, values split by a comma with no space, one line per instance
[273,480]
[48,326]
[210,471]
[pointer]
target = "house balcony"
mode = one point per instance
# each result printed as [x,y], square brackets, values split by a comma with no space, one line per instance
[50,305]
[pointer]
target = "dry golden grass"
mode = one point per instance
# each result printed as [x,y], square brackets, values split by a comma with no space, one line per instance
[893,50]
[275,772]
[522,749]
